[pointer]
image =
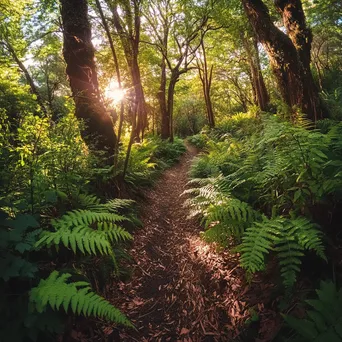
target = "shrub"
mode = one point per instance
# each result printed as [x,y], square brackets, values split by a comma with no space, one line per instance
[261,185]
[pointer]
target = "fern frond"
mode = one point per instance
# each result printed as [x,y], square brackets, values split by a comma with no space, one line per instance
[56,292]
[85,201]
[324,321]
[289,238]
[85,239]
[114,232]
[113,205]
[86,217]
[256,242]
[309,236]
[87,231]
[232,214]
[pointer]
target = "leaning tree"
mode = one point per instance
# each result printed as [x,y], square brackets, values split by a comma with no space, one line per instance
[289,53]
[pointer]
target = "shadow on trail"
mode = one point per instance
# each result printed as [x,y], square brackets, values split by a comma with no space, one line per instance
[181,288]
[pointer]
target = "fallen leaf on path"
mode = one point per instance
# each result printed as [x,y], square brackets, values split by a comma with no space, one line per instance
[138,302]
[184,331]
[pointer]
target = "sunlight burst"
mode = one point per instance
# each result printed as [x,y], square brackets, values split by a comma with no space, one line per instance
[113,92]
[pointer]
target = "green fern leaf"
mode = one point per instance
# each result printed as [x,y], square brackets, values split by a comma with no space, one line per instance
[56,291]
[324,321]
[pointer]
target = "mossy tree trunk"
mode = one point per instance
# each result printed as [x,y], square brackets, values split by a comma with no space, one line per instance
[78,52]
[289,54]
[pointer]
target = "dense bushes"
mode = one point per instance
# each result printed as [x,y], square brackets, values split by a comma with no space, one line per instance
[148,159]
[50,222]
[259,184]
[58,240]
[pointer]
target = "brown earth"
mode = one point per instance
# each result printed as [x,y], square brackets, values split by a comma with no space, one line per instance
[181,288]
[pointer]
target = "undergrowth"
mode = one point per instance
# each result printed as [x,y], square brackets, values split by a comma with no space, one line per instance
[59,243]
[258,186]
[148,159]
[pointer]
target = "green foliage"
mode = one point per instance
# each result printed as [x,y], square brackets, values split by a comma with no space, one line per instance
[288,238]
[169,153]
[86,231]
[226,216]
[333,102]
[18,237]
[47,218]
[22,241]
[239,125]
[324,320]
[149,158]
[259,188]
[189,117]
[56,292]
[199,140]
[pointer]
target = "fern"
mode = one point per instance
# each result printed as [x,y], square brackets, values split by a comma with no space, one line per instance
[232,215]
[80,238]
[56,292]
[280,170]
[86,231]
[86,217]
[93,203]
[84,201]
[324,321]
[289,238]
[224,216]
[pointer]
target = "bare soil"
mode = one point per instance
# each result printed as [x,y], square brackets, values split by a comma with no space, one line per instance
[181,288]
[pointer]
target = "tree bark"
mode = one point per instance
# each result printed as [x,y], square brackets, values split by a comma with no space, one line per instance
[165,119]
[289,55]
[170,101]
[118,75]
[258,84]
[129,34]
[206,76]
[78,53]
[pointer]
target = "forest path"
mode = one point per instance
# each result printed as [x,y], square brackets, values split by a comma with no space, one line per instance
[178,290]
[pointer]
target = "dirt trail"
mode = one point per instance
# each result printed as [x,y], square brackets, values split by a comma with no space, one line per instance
[181,289]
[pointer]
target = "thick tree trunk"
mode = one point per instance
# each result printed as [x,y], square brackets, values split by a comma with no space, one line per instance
[290,64]
[301,36]
[79,56]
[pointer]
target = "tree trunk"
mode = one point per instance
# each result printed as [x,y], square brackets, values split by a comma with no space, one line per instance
[139,99]
[129,34]
[170,101]
[206,79]
[118,75]
[165,119]
[289,55]
[301,36]
[260,93]
[79,56]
